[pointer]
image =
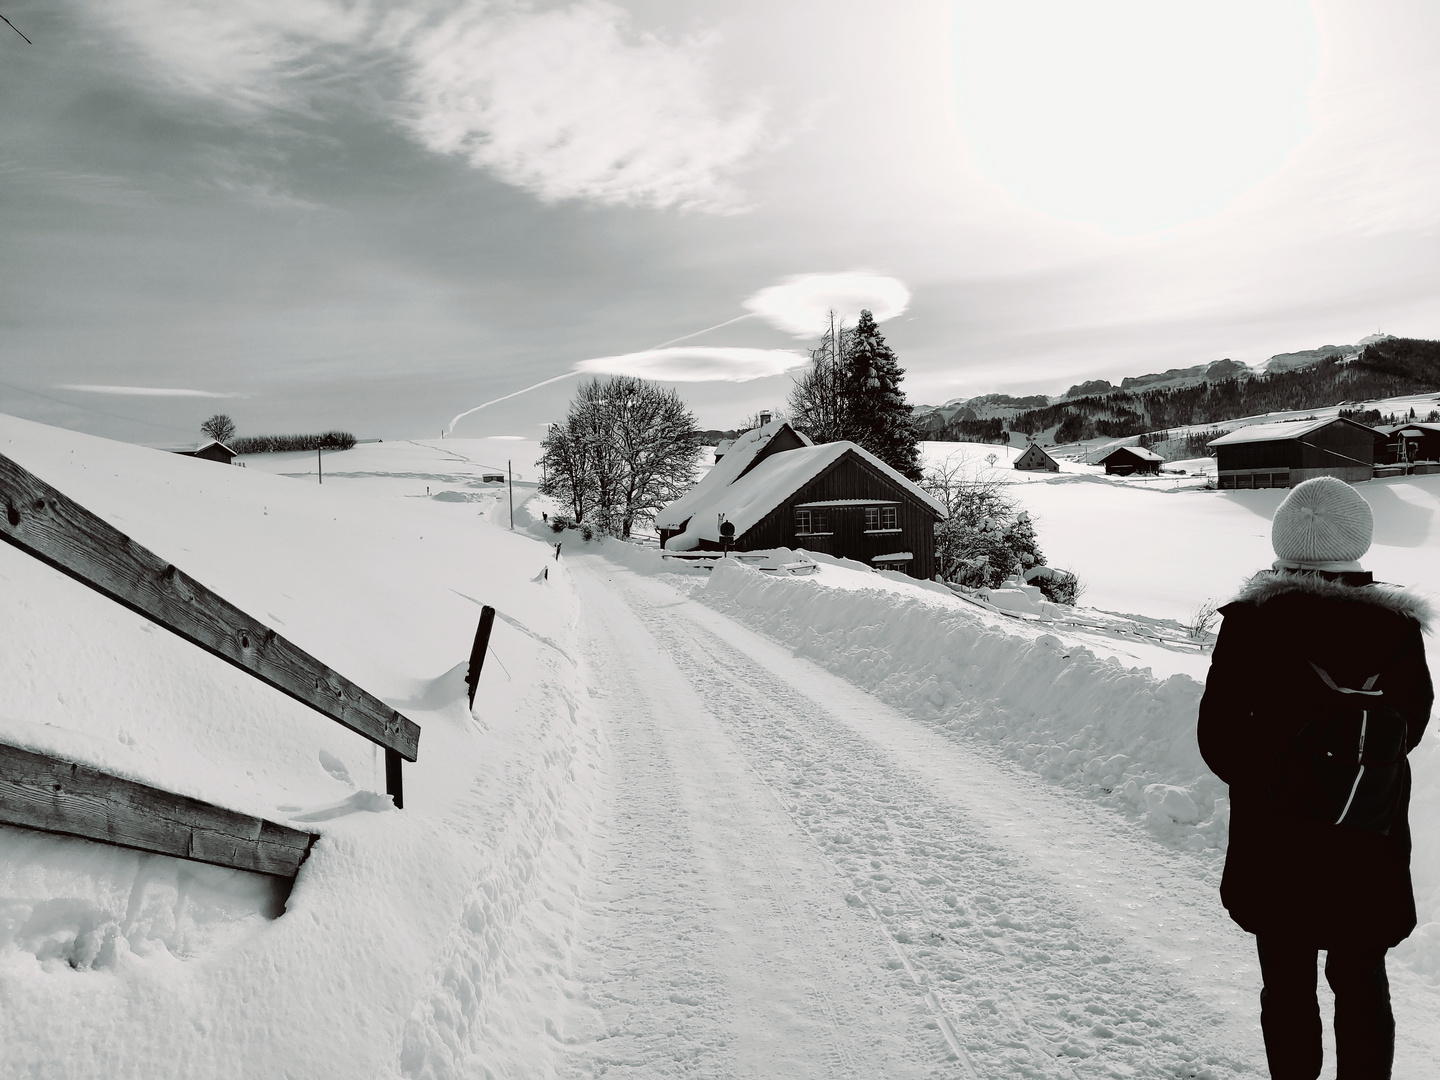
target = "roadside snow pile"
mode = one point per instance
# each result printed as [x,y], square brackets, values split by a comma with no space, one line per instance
[430,942]
[1121,734]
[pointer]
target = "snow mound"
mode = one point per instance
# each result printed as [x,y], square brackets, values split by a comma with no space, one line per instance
[1122,735]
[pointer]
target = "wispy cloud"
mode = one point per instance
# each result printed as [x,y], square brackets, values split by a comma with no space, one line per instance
[570,102]
[144,391]
[251,54]
[564,104]
[698,363]
[801,305]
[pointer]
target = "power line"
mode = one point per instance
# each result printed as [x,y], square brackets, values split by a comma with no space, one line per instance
[17,30]
[87,408]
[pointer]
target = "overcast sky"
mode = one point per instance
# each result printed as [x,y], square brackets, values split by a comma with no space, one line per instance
[315,213]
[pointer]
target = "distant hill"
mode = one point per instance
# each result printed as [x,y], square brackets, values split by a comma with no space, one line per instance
[1378,367]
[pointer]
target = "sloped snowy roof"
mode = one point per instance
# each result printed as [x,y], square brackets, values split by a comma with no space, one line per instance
[725,472]
[749,499]
[1277,432]
[1411,430]
[1139,451]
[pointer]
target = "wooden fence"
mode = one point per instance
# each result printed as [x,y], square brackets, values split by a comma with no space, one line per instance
[55,529]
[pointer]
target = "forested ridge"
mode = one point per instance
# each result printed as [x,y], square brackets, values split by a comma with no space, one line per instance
[1387,368]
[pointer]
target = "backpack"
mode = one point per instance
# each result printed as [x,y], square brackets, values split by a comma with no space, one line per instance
[1346,767]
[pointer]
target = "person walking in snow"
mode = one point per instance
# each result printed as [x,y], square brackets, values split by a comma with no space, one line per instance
[1318,688]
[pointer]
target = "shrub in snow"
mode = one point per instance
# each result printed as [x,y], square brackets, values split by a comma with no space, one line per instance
[986,536]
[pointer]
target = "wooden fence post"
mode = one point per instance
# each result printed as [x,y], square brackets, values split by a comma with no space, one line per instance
[477,651]
[394,787]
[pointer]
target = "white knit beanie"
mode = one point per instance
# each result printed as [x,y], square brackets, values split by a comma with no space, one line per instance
[1323,524]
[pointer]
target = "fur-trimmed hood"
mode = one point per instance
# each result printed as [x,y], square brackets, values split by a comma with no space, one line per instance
[1268,584]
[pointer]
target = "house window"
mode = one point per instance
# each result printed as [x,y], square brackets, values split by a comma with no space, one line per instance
[878,518]
[811,522]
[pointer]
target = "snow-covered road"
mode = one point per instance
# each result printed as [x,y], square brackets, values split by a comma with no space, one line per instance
[789,878]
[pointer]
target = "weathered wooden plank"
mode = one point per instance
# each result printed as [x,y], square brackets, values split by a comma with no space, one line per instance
[41,792]
[49,525]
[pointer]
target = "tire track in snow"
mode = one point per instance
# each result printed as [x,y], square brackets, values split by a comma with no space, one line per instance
[721,944]
[1032,982]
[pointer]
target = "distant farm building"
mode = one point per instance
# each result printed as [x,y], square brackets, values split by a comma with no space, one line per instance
[1282,455]
[214,450]
[1407,444]
[777,489]
[1034,459]
[1131,461]
[492,478]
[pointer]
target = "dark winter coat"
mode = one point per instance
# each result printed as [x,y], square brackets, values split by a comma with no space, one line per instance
[1326,883]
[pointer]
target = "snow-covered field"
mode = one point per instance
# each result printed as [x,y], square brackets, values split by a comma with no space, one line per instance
[699,824]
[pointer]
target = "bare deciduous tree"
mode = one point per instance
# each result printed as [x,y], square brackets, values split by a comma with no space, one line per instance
[626,448]
[219,427]
[818,404]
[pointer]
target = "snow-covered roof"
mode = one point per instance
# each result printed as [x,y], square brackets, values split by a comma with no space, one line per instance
[1139,451]
[725,472]
[894,556]
[746,501]
[1277,432]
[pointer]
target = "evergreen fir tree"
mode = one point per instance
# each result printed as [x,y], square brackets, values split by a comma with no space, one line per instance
[879,418]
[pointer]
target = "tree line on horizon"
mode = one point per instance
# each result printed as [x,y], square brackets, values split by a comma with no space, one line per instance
[1390,368]
[221,428]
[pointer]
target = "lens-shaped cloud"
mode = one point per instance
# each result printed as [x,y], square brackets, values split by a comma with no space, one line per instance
[801,305]
[697,364]
[142,391]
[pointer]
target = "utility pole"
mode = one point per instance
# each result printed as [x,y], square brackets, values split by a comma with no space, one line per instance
[510,473]
[319,464]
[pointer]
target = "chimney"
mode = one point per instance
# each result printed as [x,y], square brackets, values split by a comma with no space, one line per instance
[764,417]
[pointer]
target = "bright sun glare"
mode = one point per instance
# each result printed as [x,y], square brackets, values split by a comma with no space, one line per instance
[1134,115]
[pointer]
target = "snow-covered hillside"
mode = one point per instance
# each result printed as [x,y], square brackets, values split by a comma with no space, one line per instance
[424,942]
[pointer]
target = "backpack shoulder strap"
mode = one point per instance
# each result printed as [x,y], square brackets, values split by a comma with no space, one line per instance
[1366,688]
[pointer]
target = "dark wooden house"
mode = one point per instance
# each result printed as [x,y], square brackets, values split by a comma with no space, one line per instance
[1130,461]
[1282,455]
[1035,459]
[1407,443]
[778,490]
[214,450]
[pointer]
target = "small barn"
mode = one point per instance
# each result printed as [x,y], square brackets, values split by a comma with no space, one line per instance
[1131,461]
[777,489]
[214,450]
[1035,459]
[1284,454]
[1407,443]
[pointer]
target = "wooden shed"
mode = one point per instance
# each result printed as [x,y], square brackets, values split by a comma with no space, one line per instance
[838,499]
[1130,461]
[214,450]
[1284,454]
[1407,443]
[1035,459]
